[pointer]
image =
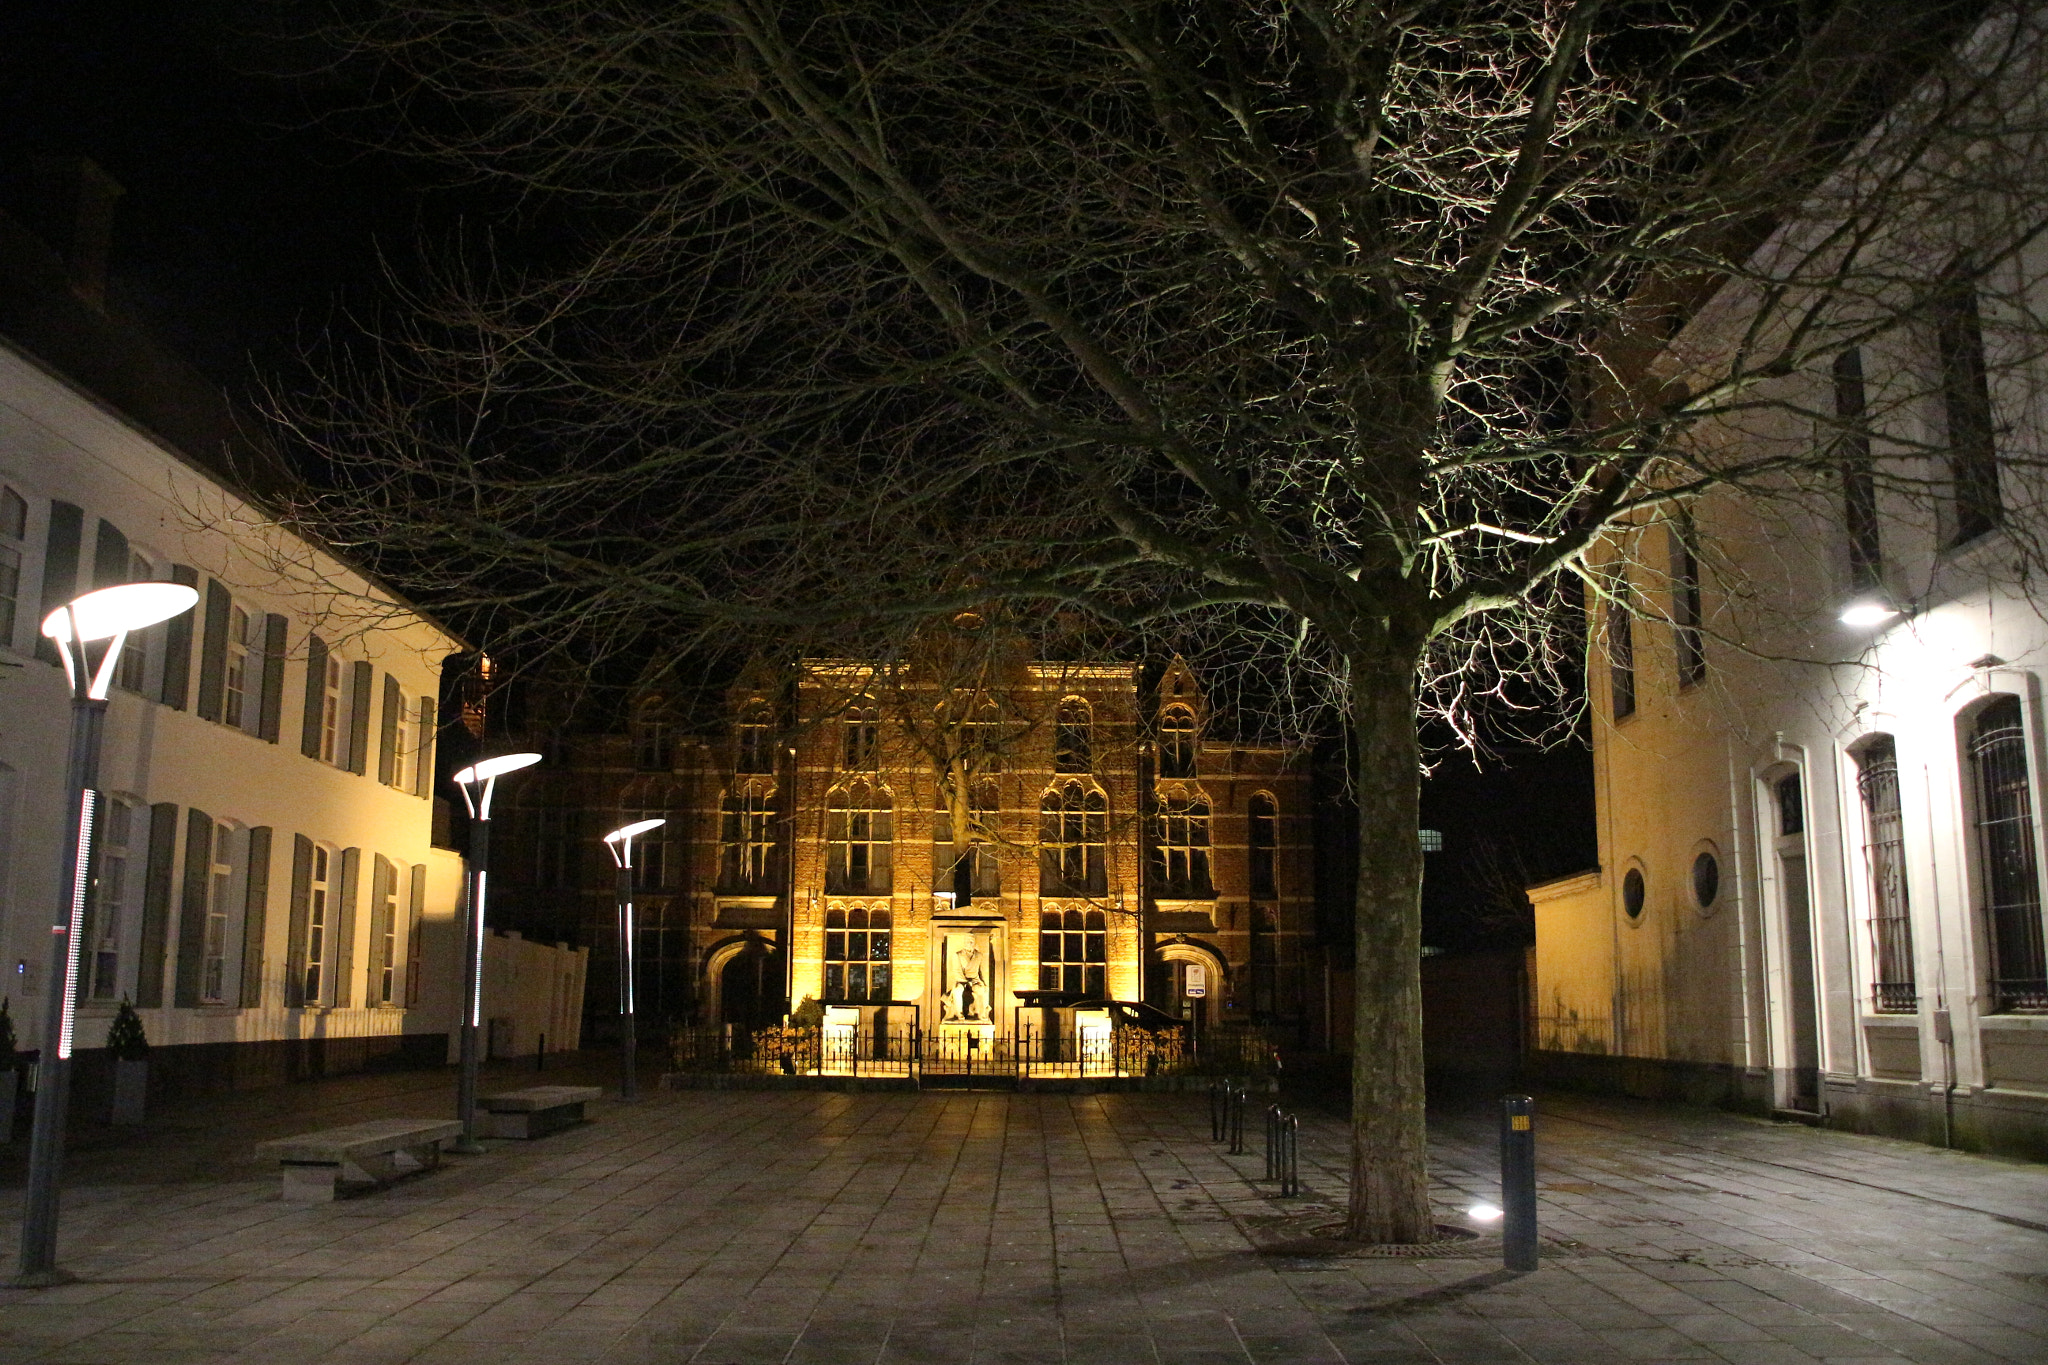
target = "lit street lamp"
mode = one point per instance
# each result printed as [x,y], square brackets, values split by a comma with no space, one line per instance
[485,774]
[620,842]
[88,633]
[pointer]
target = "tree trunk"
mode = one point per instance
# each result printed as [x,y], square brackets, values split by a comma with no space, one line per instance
[1389,1170]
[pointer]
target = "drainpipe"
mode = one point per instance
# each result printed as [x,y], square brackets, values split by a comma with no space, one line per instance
[1944,1025]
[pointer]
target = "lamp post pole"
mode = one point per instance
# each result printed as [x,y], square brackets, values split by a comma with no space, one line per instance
[484,775]
[88,634]
[620,842]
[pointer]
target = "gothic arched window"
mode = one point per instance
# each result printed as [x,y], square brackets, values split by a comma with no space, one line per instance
[755,750]
[746,838]
[1262,818]
[1074,738]
[1074,838]
[1180,845]
[1177,742]
[862,743]
[860,829]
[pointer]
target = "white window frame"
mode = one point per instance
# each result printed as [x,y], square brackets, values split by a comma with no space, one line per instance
[225,890]
[112,887]
[13,556]
[323,909]
[333,717]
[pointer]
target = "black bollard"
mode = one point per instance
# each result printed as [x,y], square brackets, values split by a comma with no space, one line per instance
[1217,1107]
[1290,1156]
[1272,1142]
[1237,1118]
[1518,1182]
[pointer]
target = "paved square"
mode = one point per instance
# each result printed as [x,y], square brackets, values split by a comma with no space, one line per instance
[827,1229]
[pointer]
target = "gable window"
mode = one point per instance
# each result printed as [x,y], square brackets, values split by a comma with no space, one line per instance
[110,892]
[861,744]
[1884,855]
[1966,404]
[1073,738]
[13,543]
[1621,651]
[1859,480]
[1180,849]
[2008,867]
[859,835]
[1689,645]
[1074,840]
[1073,953]
[857,955]
[756,746]
[1262,817]
[1177,742]
[748,845]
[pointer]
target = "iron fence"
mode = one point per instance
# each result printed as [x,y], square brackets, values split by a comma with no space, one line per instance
[946,1054]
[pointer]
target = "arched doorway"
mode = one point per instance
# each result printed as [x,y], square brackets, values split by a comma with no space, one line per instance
[1176,970]
[747,976]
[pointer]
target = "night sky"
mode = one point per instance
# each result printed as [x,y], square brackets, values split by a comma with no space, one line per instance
[259,212]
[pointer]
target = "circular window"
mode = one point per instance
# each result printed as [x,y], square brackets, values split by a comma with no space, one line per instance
[1706,879]
[1632,893]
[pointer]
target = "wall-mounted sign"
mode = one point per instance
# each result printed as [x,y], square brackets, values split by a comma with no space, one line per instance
[1197,981]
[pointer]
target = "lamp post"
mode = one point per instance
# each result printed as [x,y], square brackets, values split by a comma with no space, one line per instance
[485,776]
[620,842]
[88,633]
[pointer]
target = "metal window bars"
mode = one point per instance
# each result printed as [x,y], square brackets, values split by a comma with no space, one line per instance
[1892,986]
[2008,866]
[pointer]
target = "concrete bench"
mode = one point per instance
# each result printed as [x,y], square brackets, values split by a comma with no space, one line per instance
[372,1153]
[535,1111]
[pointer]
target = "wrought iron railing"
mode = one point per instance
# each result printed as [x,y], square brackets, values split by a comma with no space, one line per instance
[1029,1051]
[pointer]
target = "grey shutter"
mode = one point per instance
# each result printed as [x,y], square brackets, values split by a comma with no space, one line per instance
[271,707]
[415,913]
[387,738]
[255,917]
[192,911]
[316,694]
[383,892]
[109,556]
[345,929]
[213,651]
[156,905]
[359,717]
[178,645]
[423,769]
[60,567]
[295,932]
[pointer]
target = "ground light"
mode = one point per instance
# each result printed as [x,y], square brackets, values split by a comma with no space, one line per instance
[88,633]
[479,782]
[620,842]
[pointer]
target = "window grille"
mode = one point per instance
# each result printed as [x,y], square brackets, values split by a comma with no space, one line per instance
[1180,850]
[1884,853]
[2007,862]
[1073,738]
[1073,952]
[747,839]
[1263,817]
[857,956]
[1074,839]
[1177,742]
[859,834]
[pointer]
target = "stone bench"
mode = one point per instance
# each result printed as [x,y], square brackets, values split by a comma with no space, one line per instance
[535,1111]
[372,1153]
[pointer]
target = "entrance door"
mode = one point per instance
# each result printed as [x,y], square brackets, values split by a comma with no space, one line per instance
[1802,999]
[750,988]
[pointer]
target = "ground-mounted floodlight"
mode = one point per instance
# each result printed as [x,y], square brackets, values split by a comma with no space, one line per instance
[88,633]
[1868,610]
[479,782]
[620,842]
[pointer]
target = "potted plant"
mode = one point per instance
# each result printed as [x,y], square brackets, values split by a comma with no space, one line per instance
[10,1074]
[131,1064]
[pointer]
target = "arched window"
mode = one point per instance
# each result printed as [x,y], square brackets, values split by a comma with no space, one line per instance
[1884,855]
[1074,837]
[983,871]
[645,799]
[862,746]
[2008,866]
[1262,817]
[1180,845]
[981,739]
[754,751]
[859,832]
[747,843]
[653,745]
[1073,952]
[856,955]
[1074,738]
[1177,742]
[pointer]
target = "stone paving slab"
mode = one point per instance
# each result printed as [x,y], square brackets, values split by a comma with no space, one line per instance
[963,1228]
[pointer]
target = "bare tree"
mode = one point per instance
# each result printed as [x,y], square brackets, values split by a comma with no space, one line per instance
[1332,338]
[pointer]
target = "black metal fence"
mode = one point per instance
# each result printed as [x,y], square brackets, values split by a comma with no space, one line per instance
[862,1050]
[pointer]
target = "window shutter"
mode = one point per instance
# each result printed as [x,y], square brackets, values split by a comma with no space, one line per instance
[359,717]
[383,891]
[423,767]
[270,709]
[178,645]
[316,690]
[301,912]
[415,913]
[256,916]
[387,738]
[213,652]
[156,905]
[60,567]
[192,911]
[345,929]
[109,556]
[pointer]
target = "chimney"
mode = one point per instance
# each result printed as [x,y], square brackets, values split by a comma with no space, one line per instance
[77,202]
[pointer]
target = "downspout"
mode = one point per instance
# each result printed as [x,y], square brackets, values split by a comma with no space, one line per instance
[1944,1029]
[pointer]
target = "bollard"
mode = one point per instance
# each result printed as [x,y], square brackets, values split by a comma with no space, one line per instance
[1290,1156]
[1216,1108]
[1518,1182]
[1237,1118]
[1272,1142]
[540,1054]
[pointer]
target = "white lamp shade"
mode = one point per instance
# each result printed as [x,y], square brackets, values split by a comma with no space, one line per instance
[110,611]
[1868,612]
[638,827]
[496,767]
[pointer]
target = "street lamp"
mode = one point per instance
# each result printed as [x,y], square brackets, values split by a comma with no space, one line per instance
[620,842]
[484,775]
[88,634]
